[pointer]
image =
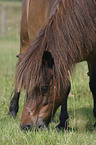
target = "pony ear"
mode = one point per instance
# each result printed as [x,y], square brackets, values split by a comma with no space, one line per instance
[47,59]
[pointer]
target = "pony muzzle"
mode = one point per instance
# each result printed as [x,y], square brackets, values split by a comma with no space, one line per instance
[39,125]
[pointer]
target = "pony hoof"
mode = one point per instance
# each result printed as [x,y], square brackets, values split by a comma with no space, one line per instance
[60,128]
[13,110]
[12,114]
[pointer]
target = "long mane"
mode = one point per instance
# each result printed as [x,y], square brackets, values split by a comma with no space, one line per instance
[69,35]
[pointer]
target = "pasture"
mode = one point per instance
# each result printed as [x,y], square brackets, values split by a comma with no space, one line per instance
[80,103]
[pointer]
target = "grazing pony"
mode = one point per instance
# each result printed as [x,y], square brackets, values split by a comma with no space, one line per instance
[68,37]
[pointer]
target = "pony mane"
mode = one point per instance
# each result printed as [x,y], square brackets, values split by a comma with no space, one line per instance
[67,35]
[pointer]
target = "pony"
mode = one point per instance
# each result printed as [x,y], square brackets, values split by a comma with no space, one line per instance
[67,37]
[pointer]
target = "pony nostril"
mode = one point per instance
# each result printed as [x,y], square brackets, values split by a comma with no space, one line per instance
[26,127]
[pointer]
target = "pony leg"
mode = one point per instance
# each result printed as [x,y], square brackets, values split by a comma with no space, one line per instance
[63,114]
[92,82]
[25,44]
[14,104]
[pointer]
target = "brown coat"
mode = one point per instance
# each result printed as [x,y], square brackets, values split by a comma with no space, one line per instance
[34,14]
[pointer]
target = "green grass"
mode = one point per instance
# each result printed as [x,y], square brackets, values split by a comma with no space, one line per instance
[79,103]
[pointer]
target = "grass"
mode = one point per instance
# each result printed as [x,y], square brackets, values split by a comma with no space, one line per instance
[79,103]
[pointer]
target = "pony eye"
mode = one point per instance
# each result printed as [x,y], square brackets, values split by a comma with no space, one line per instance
[44,89]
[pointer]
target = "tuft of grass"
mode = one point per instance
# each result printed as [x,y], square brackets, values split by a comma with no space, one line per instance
[80,102]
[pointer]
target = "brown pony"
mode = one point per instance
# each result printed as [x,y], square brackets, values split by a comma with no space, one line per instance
[68,37]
